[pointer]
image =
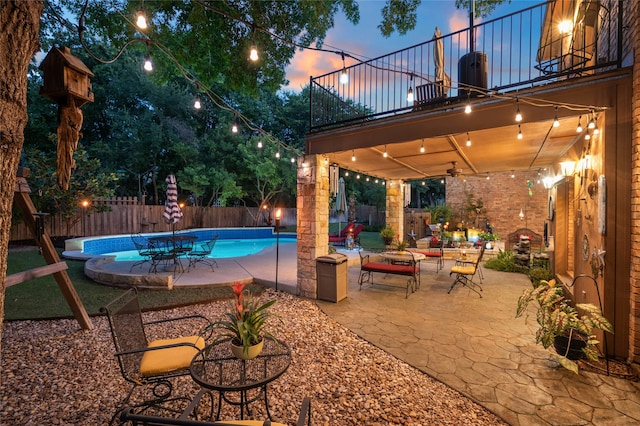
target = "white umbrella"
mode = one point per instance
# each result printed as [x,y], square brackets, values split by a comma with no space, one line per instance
[341,201]
[172,212]
[438,58]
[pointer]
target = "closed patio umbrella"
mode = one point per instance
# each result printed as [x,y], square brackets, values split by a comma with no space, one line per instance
[438,58]
[172,213]
[341,200]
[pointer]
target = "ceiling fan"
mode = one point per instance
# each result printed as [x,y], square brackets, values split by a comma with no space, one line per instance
[454,171]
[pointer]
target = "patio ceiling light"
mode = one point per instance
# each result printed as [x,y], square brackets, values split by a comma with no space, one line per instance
[519,132]
[344,77]
[260,144]
[197,104]
[353,155]
[148,65]
[579,128]
[141,20]
[518,115]
[277,154]
[556,123]
[253,55]
[468,139]
[384,154]
[422,147]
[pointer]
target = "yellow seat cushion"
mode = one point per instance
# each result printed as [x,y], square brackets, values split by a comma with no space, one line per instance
[464,270]
[248,422]
[169,359]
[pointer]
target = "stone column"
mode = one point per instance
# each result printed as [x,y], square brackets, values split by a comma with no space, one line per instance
[395,208]
[312,219]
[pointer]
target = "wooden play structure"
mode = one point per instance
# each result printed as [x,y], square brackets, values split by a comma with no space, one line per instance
[35,222]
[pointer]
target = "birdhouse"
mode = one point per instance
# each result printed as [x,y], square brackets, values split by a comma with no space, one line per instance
[65,76]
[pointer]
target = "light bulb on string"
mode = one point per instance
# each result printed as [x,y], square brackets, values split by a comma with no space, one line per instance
[234,127]
[587,136]
[367,179]
[253,54]
[353,155]
[148,65]
[422,147]
[518,114]
[596,129]
[277,154]
[519,132]
[260,144]
[556,122]
[384,154]
[468,139]
[410,91]
[375,181]
[141,20]
[592,123]
[197,104]
[293,160]
[357,176]
[346,174]
[467,108]
[423,183]
[579,128]
[344,77]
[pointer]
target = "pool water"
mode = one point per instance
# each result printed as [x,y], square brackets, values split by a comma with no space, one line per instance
[222,249]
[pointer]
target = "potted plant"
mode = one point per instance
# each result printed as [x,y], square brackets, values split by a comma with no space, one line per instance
[401,246]
[559,323]
[387,235]
[244,324]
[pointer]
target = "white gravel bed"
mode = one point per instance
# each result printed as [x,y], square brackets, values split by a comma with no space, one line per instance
[54,373]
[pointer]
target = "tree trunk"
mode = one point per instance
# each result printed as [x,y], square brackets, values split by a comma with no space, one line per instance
[20,23]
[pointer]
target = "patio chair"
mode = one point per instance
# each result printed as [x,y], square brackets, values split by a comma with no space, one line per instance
[465,273]
[129,417]
[201,253]
[340,237]
[145,249]
[151,362]
[437,255]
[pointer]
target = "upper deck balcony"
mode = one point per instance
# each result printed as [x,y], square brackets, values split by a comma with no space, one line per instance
[551,42]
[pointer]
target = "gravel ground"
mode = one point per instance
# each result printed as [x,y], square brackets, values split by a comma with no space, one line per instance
[53,373]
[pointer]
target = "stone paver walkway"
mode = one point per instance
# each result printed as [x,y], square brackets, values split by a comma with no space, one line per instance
[478,347]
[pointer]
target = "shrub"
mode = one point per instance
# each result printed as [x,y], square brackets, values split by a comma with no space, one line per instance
[504,262]
[539,274]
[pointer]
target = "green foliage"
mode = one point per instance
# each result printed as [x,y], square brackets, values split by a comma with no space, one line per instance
[440,213]
[538,274]
[483,7]
[245,323]
[504,261]
[556,317]
[486,236]
[387,232]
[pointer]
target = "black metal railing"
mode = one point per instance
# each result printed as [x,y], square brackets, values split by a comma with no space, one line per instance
[510,53]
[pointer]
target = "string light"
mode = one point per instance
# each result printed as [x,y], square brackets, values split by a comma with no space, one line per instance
[592,124]
[375,181]
[556,122]
[293,160]
[519,132]
[260,144]
[234,127]
[518,115]
[384,154]
[422,147]
[579,128]
[277,154]
[141,20]
[358,176]
[423,183]
[587,136]
[367,179]
[346,174]
[410,91]
[197,104]
[468,139]
[353,155]
[467,109]
[253,55]
[148,66]
[344,77]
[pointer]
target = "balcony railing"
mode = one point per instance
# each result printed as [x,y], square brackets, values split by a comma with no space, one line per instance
[510,53]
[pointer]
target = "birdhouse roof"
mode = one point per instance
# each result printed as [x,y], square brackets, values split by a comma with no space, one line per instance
[68,59]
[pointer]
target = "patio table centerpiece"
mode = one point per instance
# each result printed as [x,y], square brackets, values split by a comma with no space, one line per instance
[245,323]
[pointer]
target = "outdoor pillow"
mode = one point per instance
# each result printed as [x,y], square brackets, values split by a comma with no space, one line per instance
[169,359]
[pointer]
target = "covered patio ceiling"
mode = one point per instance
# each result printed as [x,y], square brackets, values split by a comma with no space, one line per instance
[491,127]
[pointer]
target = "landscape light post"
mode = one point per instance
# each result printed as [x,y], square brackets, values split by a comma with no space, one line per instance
[278,215]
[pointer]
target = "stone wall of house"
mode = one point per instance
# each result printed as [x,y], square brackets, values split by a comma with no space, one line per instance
[634,329]
[503,196]
[395,208]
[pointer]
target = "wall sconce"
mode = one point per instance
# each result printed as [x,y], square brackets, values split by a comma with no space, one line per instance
[567,168]
[547,182]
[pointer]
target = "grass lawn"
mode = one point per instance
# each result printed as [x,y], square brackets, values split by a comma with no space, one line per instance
[41,298]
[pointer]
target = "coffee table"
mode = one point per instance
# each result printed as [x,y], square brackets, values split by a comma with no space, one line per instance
[216,368]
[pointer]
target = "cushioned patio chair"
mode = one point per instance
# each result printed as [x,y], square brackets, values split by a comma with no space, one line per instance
[436,253]
[340,236]
[129,417]
[465,272]
[143,361]
[201,253]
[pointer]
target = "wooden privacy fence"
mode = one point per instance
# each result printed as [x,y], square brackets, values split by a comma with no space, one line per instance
[127,216]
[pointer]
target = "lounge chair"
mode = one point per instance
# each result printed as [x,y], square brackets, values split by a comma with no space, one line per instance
[339,237]
[355,230]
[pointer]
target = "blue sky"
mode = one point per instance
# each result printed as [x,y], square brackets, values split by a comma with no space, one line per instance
[365,40]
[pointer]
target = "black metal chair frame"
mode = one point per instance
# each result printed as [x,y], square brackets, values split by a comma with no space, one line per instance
[128,416]
[367,268]
[145,249]
[464,277]
[202,255]
[129,333]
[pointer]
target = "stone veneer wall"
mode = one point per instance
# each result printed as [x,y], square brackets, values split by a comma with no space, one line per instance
[503,196]
[634,326]
[395,207]
[312,221]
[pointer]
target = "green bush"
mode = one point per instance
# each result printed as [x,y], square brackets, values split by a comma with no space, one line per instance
[504,262]
[539,274]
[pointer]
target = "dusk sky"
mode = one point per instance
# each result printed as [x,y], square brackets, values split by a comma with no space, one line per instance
[365,41]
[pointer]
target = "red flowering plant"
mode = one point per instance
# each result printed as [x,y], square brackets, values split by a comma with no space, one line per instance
[245,323]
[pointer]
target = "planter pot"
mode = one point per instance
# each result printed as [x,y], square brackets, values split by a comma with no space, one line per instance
[570,346]
[387,241]
[254,351]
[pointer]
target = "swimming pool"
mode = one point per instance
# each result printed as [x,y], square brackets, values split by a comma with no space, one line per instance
[232,242]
